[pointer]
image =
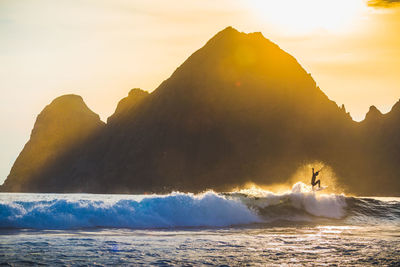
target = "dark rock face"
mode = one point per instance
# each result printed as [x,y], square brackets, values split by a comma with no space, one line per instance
[239,109]
[378,151]
[62,125]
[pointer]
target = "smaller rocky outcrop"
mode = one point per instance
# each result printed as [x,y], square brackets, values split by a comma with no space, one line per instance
[126,105]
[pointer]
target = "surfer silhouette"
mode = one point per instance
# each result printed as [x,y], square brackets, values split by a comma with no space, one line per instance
[314,176]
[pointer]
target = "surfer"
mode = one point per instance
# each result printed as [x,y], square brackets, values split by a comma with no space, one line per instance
[314,176]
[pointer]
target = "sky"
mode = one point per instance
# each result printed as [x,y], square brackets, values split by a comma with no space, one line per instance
[100,49]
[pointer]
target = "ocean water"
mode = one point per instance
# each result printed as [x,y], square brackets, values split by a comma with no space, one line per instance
[246,228]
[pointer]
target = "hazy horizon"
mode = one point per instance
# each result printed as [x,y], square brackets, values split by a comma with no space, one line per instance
[101,50]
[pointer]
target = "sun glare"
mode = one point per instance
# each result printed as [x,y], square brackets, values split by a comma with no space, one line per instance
[309,15]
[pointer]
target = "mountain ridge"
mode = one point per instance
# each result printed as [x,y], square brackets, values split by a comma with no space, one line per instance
[238,110]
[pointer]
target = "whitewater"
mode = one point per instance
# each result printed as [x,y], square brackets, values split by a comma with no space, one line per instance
[255,227]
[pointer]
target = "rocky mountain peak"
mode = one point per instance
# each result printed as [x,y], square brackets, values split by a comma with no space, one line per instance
[373,114]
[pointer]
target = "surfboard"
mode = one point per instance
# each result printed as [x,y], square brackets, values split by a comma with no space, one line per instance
[319,188]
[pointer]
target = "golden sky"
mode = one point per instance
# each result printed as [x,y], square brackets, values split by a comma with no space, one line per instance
[100,49]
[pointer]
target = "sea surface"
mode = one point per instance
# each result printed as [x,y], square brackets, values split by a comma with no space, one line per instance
[246,228]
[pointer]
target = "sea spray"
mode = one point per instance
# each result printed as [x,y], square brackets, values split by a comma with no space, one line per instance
[322,205]
[299,203]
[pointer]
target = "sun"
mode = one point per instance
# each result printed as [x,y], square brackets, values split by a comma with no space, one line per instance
[302,16]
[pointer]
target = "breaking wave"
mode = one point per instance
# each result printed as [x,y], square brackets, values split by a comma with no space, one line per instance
[174,210]
[209,209]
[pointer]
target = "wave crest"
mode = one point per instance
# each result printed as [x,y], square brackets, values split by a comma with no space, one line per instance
[70,211]
[174,210]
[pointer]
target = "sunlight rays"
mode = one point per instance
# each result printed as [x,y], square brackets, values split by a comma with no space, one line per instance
[309,15]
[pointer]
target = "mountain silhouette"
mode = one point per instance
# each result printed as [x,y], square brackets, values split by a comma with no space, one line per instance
[238,110]
[64,124]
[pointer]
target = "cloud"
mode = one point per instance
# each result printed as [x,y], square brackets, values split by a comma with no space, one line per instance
[383,3]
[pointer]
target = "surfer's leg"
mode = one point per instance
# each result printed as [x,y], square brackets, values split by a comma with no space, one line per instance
[319,183]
